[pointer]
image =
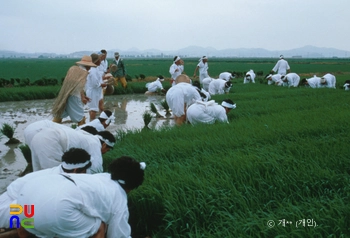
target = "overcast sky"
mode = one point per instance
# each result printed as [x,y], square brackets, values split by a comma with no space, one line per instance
[66,26]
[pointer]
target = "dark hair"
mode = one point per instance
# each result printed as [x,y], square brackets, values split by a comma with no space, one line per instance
[106,135]
[175,58]
[228,84]
[196,83]
[128,170]
[303,81]
[92,130]
[104,51]
[347,81]
[229,101]
[76,156]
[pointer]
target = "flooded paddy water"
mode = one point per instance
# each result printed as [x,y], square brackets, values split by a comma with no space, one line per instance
[128,111]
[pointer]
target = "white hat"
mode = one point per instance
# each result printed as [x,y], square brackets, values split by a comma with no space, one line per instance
[269,76]
[228,105]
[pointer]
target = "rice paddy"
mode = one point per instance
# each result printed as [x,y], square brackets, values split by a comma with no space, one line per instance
[283,159]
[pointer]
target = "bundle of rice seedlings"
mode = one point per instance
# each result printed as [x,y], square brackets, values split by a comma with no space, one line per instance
[28,157]
[166,107]
[154,110]
[147,117]
[9,131]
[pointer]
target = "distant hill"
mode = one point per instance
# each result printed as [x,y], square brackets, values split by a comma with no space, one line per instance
[197,51]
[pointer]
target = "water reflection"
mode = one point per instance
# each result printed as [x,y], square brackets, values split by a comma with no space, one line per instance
[128,111]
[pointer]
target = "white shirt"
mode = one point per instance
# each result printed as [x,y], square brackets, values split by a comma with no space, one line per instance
[96,123]
[181,95]
[175,70]
[206,112]
[275,79]
[12,192]
[64,208]
[249,77]
[281,67]
[206,82]
[217,86]
[57,140]
[314,82]
[330,80]
[292,79]
[226,75]
[154,86]
[93,88]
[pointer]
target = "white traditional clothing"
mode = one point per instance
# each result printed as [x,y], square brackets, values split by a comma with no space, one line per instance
[48,146]
[346,86]
[292,80]
[275,79]
[206,112]
[217,86]
[206,82]
[330,80]
[93,89]
[180,97]
[314,82]
[32,129]
[249,77]
[96,123]
[281,67]
[154,86]
[74,205]
[12,193]
[175,70]
[203,70]
[226,75]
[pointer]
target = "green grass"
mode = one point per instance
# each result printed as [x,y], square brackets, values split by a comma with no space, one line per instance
[284,155]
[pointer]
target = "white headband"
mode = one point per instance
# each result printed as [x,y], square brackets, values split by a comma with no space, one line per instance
[228,105]
[205,57]
[159,79]
[346,85]
[110,144]
[74,166]
[142,166]
[103,115]
[177,59]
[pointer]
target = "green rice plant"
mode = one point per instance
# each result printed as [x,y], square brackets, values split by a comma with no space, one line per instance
[8,131]
[28,157]
[282,156]
[165,105]
[155,110]
[147,117]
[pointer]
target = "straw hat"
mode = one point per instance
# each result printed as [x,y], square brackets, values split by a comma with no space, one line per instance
[86,61]
[114,68]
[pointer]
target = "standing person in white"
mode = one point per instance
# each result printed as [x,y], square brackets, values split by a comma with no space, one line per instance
[83,205]
[180,97]
[329,81]
[209,112]
[219,86]
[93,87]
[203,69]
[175,69]
[249,77]
[291,80]
[281,67]
[226,75]
[73,161]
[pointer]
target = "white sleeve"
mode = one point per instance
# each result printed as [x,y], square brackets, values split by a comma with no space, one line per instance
[118,225]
